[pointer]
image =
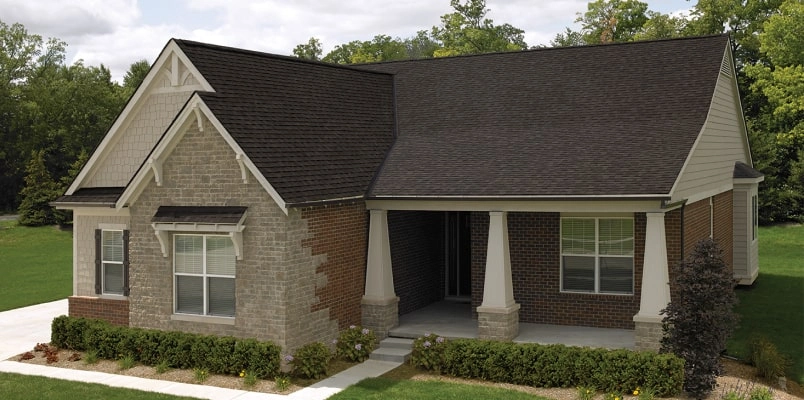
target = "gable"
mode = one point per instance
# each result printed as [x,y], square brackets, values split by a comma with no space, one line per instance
[167,86]
[723,140]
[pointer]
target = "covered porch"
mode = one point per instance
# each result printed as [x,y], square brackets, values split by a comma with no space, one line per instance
[454,320]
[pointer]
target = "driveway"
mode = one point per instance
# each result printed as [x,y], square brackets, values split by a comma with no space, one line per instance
[22,328]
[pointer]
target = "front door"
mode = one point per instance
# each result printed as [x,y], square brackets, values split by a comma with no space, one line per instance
[458,255]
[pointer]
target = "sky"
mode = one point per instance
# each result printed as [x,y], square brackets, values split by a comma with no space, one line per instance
[117,33]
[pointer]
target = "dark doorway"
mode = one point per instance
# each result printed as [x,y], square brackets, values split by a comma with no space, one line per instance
[458,257]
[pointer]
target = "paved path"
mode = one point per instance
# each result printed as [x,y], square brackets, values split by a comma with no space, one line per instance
[8,217]
[22,328]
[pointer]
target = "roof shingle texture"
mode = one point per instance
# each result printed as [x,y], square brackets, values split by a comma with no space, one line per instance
[316,132]
[743,171]
[605,120]
[213,214]
[97,195]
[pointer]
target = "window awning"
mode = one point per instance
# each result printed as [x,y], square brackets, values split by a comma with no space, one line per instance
[216,219]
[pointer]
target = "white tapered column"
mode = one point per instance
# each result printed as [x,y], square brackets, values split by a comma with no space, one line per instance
[379,304]
[498,315]
[655,293]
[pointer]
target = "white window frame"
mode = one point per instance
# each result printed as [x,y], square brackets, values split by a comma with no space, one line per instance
[596,256]
[204,277]
[754,217]
[104,262]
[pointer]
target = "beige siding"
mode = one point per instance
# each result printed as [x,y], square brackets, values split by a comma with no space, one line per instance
[742,232]
[84,258]
[722,142]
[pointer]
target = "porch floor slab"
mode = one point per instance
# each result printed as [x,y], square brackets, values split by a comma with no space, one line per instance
[454,320]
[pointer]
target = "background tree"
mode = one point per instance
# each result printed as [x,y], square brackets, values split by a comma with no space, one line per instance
[309,51]
[40,189]
[135,75]
[700,317]
[607,21]
[468,31]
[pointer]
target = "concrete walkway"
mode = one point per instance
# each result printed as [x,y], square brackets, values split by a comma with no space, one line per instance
[23,328]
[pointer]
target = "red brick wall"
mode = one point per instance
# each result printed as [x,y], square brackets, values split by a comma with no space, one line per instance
[340,232]
[696,224]
[535,269]
[417,257]
[114,311]
[723,225]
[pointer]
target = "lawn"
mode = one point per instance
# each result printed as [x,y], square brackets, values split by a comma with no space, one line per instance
[774,306]
[35,263]
[387,388]
[14,386]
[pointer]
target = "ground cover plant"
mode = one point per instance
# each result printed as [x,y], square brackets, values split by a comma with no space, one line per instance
[36,265]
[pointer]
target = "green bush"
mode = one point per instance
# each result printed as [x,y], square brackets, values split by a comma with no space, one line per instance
[428,352]
[612,371]
[310,360]
[356,344]
[766,357]
[222,355]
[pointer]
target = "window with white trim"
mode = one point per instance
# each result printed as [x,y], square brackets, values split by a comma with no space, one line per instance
[754,216]
[112,275]
[597,255]
[204,271]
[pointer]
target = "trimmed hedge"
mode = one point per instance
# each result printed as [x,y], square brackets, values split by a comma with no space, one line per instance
[612,371]
[220,355]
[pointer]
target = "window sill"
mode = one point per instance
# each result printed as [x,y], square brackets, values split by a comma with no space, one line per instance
[203,319]
[595,294]
[112,297]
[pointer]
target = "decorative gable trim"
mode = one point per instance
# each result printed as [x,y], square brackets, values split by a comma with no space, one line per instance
[192,112]
[170,55]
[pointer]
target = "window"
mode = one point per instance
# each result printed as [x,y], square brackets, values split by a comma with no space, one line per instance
[597,255]
[204,269]
[111,262]
[754,216]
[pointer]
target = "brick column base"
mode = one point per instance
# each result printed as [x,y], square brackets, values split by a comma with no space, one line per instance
[647,335]
[495,323]
[380,315]
[114,311]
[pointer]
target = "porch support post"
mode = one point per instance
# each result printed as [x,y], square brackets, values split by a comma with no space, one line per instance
[498,315]
[379,304]
[655,294]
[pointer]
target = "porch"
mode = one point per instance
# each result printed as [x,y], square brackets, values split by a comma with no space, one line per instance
[454,320]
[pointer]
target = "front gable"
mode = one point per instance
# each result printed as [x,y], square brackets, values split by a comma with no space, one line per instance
[169,83]
[723,141]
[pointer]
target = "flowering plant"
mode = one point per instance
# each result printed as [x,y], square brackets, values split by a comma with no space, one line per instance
[310,360]
[356,344]
[586,393]
[428,352]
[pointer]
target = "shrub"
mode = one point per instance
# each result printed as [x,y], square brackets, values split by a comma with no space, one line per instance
[761,393]
[356,344]
[613,371]
[162,367]
[700,317]
[225,355]
[91,357]
[428,352]
[769,362]
[282,383]
[310,360]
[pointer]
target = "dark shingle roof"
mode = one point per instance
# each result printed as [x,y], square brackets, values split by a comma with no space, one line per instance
[744,171]
[315,131]
[599,120]
[96,196]
[212,215]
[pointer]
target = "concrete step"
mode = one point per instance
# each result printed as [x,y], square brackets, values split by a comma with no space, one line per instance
[390,354]
[397,343]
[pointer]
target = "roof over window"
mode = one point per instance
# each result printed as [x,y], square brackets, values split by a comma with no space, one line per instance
[200,214]
[744,171]
[91,196]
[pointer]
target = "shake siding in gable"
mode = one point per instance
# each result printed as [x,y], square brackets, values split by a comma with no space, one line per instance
[720,145]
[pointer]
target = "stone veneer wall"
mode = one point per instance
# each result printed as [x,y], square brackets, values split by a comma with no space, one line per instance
[114,311]
[417,257]
[535,268]
[277,278]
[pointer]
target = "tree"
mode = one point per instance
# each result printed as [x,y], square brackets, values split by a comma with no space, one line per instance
[700,317]
[309,51]
[468,31]
[39,191]
[135,75]
[661,26]
[607,21]
[568,38]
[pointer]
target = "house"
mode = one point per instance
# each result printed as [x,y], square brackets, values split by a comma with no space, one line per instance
[255,195]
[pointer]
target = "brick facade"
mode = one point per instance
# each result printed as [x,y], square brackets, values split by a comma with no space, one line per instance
[114,311]
[339,233]
[417,257]
[535,269]
[697,225]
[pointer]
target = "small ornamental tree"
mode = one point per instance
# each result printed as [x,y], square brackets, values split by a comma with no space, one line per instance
[700,316]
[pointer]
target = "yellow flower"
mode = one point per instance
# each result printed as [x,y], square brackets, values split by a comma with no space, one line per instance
[636,392]
[242,373]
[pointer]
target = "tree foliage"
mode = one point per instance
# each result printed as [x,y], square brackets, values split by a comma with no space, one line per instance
[309,51]
[39,190]
[700,317]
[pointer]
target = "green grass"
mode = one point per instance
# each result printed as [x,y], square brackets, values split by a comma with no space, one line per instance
[14,387]
[35,263]
[386,388]
[774,306]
